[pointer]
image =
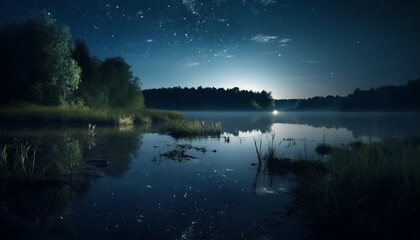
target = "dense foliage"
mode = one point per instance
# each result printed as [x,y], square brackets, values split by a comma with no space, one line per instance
[386,98]
[327,103]
[36,62]
[207,98]
[106,84]
[40,65]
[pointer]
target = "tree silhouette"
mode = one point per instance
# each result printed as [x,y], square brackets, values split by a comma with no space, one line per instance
[207,98]
[91,91]
[385,98]
[121,86]
[36,62]
[40,65]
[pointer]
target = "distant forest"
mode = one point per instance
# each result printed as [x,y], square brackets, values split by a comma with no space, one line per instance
[385,98]
[39,64]
[207,99]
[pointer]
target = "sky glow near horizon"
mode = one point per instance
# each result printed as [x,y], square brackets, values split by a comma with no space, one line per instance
[295,49]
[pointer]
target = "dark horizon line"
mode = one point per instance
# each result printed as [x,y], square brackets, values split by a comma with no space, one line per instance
[290,99]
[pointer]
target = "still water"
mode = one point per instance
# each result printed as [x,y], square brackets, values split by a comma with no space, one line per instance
[215,193]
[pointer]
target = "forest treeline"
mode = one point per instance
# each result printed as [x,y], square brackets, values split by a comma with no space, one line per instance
[385,98]
[207,99]
[39,64]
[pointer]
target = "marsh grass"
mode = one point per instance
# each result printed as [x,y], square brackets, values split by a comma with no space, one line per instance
[371,189]
[4,165]
[183,128]
[29,113]
[18,162]
[271,153]
[173,122]
[276,166]
[274,163]
[374,189]
[125,121]
[323,149]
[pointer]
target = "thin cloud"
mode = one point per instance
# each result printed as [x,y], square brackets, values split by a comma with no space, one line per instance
[261,38]
[311,61]
[192,64]
[285,40]
[268,2]
[224,54]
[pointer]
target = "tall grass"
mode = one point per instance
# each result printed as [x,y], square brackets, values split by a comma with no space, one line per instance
[271,153]
[390,161]
[183,128]
[319,197]
[4,165]
[374,189]
[79,115]
[273,162]
[18,162]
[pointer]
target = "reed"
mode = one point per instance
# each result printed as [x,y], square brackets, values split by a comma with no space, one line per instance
[323,149]
[18,162]
[363,189]
[378,182]
[274,163]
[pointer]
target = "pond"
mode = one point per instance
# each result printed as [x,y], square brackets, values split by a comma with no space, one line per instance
[146,190]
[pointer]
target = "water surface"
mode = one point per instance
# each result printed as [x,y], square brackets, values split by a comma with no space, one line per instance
[215,194]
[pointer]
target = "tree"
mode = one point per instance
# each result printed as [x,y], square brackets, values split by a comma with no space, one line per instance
[91,91]
[121,86]
[36,62]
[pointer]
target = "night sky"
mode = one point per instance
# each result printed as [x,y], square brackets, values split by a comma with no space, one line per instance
[292,48]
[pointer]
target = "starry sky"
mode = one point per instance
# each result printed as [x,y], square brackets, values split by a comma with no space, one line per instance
[293,48]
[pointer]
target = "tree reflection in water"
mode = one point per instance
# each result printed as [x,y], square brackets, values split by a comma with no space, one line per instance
[37,207]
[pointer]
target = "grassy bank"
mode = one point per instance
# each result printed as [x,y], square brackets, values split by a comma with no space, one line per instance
[172,122]
[22,161]
[367,190]
[78,115]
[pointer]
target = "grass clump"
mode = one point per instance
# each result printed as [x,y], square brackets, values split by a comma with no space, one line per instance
[18,162]
[273,163]
[124,121]
[183,128]
[371,190]
[323,149]
[4,165]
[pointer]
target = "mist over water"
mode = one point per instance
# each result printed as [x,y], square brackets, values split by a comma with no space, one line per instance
[359,124]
